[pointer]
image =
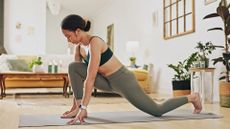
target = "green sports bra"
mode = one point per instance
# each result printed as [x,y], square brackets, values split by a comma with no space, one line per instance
[105,56]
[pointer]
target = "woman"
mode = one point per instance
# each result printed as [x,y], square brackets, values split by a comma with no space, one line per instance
[104,71]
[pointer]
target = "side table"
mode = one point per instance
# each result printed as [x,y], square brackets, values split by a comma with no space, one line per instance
[202,73]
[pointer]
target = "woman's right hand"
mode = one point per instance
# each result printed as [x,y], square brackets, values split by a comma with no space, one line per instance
[80,117]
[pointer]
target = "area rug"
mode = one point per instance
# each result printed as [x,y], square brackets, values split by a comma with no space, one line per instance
[112,117]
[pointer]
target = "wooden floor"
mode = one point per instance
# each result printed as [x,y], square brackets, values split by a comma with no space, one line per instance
[14,105]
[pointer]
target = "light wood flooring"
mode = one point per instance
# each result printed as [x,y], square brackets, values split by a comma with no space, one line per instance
[14,105]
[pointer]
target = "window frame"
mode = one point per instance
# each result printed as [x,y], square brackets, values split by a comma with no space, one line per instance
[168,19]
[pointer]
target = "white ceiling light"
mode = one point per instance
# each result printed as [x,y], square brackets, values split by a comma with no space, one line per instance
[54,6]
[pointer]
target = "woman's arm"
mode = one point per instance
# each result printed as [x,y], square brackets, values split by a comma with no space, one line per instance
[95,49]
[78,53]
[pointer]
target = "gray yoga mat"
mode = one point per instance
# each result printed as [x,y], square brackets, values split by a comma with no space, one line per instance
[112,117]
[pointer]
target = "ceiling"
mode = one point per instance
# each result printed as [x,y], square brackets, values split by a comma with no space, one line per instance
[84,7]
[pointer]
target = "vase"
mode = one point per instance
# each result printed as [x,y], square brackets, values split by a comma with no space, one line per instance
[38,69]
[206,62]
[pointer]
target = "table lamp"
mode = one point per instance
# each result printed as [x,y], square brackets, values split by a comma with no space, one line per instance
[132,48]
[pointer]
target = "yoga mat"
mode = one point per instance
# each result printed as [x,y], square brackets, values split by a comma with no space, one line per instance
[112,117]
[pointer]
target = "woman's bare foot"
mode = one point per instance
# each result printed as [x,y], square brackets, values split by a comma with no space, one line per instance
[196,101]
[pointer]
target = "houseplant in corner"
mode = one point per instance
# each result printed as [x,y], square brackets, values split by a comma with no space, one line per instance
[222,11]
[181,79]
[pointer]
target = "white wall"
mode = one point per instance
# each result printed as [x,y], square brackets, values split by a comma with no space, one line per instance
[30,38]
[133,21]
[56,43]
[46,36]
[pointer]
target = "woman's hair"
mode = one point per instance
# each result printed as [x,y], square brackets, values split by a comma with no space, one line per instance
[73,22]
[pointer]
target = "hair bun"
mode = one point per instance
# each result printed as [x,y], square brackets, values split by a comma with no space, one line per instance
[87,26]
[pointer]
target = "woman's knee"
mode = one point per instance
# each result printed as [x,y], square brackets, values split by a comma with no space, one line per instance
[75,66]
[157,114]
[157,111]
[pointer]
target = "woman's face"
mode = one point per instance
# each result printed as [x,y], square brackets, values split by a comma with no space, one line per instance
[73,37]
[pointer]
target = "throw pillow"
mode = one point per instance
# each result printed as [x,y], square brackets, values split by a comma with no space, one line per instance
[18,65]
[4,67]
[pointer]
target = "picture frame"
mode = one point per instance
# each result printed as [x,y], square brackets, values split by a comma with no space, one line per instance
[207,2]
[110,36]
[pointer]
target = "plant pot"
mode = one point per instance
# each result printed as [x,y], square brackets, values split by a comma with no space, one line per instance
[181,88]
[206,62]
[38,69]
[224,94]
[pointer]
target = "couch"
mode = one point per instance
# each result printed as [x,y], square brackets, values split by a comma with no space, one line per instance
[34,82]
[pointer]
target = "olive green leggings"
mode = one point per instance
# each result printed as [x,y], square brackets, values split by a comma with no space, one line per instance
[124,83]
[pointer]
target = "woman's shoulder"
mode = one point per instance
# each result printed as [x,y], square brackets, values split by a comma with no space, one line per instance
[96,38]
[99,43]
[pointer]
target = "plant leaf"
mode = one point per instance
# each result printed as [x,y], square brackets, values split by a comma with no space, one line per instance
[216,60]
[228,20]
[211,15]
[228,67]
[229,40]
[227,30]
[222,78]
[223,12]
[190,60]
[218,46]
[226,56]
[216,28]
[223,3]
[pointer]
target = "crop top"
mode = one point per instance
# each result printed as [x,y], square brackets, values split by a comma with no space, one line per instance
[105,56]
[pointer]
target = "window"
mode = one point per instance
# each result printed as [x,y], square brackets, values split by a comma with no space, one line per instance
[179,17]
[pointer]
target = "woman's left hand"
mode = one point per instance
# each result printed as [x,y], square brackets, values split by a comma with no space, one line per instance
[80,117]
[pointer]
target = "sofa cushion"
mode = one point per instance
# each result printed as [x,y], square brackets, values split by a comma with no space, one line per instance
[18,65]
[28,59]
[3,62]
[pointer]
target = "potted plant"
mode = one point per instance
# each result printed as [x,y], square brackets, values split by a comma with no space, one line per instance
[133,62]
[36,65]
[181,79]
[204,50]
[222,11]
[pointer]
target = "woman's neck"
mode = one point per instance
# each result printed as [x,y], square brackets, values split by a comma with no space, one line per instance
[86,39]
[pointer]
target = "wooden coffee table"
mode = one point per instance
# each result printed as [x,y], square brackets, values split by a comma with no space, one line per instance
[5,75]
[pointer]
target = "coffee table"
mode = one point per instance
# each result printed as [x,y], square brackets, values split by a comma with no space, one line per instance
[4,75]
